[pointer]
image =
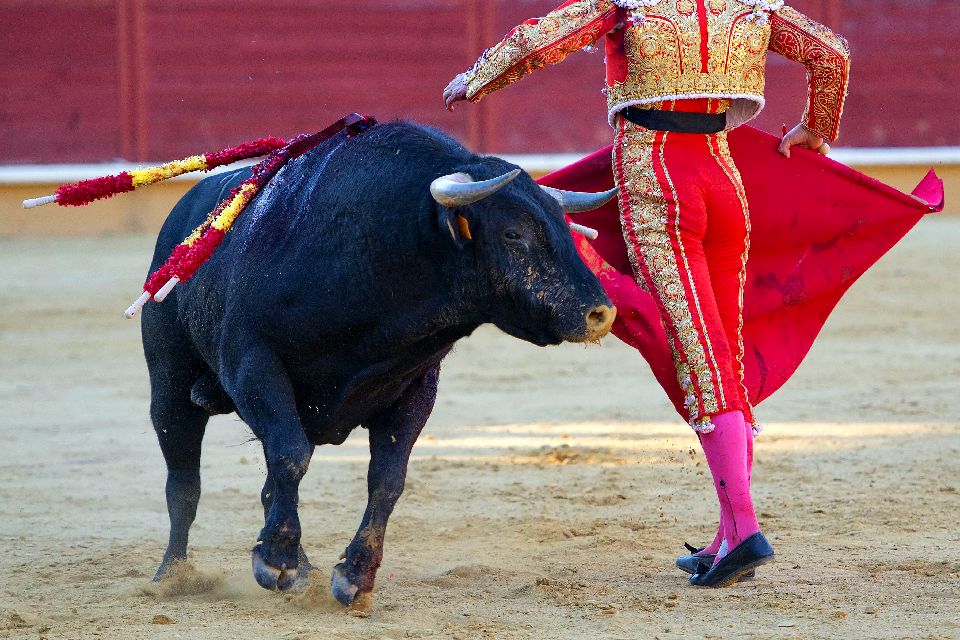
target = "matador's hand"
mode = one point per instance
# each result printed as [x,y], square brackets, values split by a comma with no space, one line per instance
[455,91]
[800,136]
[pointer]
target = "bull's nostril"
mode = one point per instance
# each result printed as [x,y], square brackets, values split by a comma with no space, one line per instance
[599,319]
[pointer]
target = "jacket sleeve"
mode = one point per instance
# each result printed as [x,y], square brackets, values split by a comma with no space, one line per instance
[537,43]
[827,59]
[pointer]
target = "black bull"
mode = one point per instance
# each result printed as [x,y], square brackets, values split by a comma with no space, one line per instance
[330,306]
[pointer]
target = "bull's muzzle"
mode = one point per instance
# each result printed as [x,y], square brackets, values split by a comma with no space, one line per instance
[597,323]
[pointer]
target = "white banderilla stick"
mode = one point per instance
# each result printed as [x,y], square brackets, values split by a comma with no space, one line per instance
[38,202]
[145,297]
[137,305]
[592,234]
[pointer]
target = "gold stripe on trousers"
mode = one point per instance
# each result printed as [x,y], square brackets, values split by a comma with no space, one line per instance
[650,216]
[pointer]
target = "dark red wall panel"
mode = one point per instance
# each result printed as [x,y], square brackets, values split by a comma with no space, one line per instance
[216,74]
[94,80]
[58,91]
[906,74]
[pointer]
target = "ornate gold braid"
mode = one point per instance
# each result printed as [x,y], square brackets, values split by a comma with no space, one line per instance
[537,43]
[827,59]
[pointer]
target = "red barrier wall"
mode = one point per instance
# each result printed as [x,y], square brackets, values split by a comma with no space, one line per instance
[98,80]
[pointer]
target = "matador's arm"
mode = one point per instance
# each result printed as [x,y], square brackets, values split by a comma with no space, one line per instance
[827,59]
[537,43]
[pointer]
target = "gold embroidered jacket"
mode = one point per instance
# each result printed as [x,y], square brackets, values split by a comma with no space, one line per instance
[671,49]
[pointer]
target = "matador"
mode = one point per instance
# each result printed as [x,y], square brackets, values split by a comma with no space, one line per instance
[680,76]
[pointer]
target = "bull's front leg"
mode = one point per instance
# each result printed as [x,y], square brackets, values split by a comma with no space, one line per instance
[267,495]
[265,401]
[392,436]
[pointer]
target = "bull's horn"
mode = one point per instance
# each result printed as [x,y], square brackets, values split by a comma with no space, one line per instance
[460,189]
[578,202]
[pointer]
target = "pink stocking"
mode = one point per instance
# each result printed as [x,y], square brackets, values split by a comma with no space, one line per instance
[714,546]
[726,449]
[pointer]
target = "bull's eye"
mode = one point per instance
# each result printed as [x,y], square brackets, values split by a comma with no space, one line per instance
[510,234]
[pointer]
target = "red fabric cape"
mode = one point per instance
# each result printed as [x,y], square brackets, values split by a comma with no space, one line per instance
[817,226]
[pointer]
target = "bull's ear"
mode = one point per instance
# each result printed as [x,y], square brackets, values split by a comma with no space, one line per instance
[453,224]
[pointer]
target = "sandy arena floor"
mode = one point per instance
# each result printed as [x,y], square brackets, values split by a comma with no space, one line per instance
[547,499]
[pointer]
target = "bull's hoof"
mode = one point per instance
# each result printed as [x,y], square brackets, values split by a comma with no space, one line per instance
[341,587]
[270,577]
[167,566]
[347,593]
[162,572]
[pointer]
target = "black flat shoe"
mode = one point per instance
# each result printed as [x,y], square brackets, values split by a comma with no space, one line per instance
[748,555]
[698,562]
[695,562]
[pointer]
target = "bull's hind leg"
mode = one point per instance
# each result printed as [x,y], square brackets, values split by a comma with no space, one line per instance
[180,426]
[392,436]
[179,423]
[180,430]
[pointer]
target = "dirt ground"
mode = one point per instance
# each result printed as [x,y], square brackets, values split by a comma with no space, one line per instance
[548,498]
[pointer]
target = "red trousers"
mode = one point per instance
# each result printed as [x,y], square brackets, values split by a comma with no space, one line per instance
[686,226]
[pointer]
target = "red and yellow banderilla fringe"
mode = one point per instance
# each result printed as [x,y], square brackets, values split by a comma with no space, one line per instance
[200,245]
[87,191]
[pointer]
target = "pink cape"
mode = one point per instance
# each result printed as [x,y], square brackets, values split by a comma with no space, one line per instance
[817,226]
